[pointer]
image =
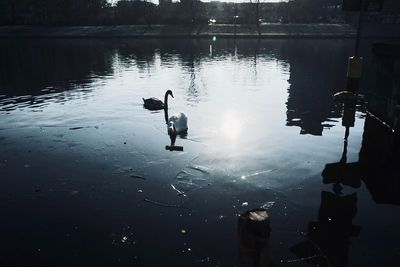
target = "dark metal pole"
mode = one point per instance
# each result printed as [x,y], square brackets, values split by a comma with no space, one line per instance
[359,28]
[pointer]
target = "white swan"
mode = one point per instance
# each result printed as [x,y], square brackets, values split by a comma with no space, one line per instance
[177,123]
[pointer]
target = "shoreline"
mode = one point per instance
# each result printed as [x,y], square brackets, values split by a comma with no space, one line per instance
[272,30]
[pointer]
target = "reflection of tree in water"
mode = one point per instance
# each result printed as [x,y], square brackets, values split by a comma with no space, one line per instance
[316,73]
[37,70]
[193,91]
[139,54]
[190,55]
[28,67]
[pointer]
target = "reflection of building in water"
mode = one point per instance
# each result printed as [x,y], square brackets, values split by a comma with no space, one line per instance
[380,162]
[384,97]
[378,167]
[380,153]
[328,238]
[314,77]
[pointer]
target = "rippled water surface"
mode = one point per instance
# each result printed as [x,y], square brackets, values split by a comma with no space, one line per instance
[86,178]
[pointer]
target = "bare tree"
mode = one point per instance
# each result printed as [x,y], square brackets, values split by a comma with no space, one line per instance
[256,10]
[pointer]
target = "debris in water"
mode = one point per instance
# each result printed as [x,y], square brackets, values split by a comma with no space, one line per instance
[306,259]
[163,204]
[27,166]
[74,192]
[124,239]
[183,231]
[245,204]
[82,127]
[179,192]
[140,191]
[138,177]
[268,205]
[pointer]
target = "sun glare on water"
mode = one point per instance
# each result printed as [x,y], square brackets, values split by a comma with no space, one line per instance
[232,126]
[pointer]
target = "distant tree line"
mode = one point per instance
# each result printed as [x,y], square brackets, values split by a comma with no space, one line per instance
[101,12]
[52,12]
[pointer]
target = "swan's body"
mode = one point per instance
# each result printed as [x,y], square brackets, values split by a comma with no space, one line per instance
[177,123]
[153,103]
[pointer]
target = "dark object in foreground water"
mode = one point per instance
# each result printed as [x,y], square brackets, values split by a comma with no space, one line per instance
[254,231]
[174,148]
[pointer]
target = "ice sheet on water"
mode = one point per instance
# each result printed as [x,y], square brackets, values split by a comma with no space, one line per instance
[190,178]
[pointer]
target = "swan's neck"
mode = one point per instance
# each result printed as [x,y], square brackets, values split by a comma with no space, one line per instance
[166,101]
[166,107]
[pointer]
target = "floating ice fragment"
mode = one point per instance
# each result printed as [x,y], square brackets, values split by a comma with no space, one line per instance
[268,205]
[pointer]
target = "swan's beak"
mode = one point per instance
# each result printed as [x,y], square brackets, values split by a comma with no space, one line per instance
[172,95]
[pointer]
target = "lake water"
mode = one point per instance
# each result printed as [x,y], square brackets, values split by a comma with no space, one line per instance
[86,179]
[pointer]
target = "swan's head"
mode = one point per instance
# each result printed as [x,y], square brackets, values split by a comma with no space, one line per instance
[169,92]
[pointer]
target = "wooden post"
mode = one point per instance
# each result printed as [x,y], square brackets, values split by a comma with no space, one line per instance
[254,232]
